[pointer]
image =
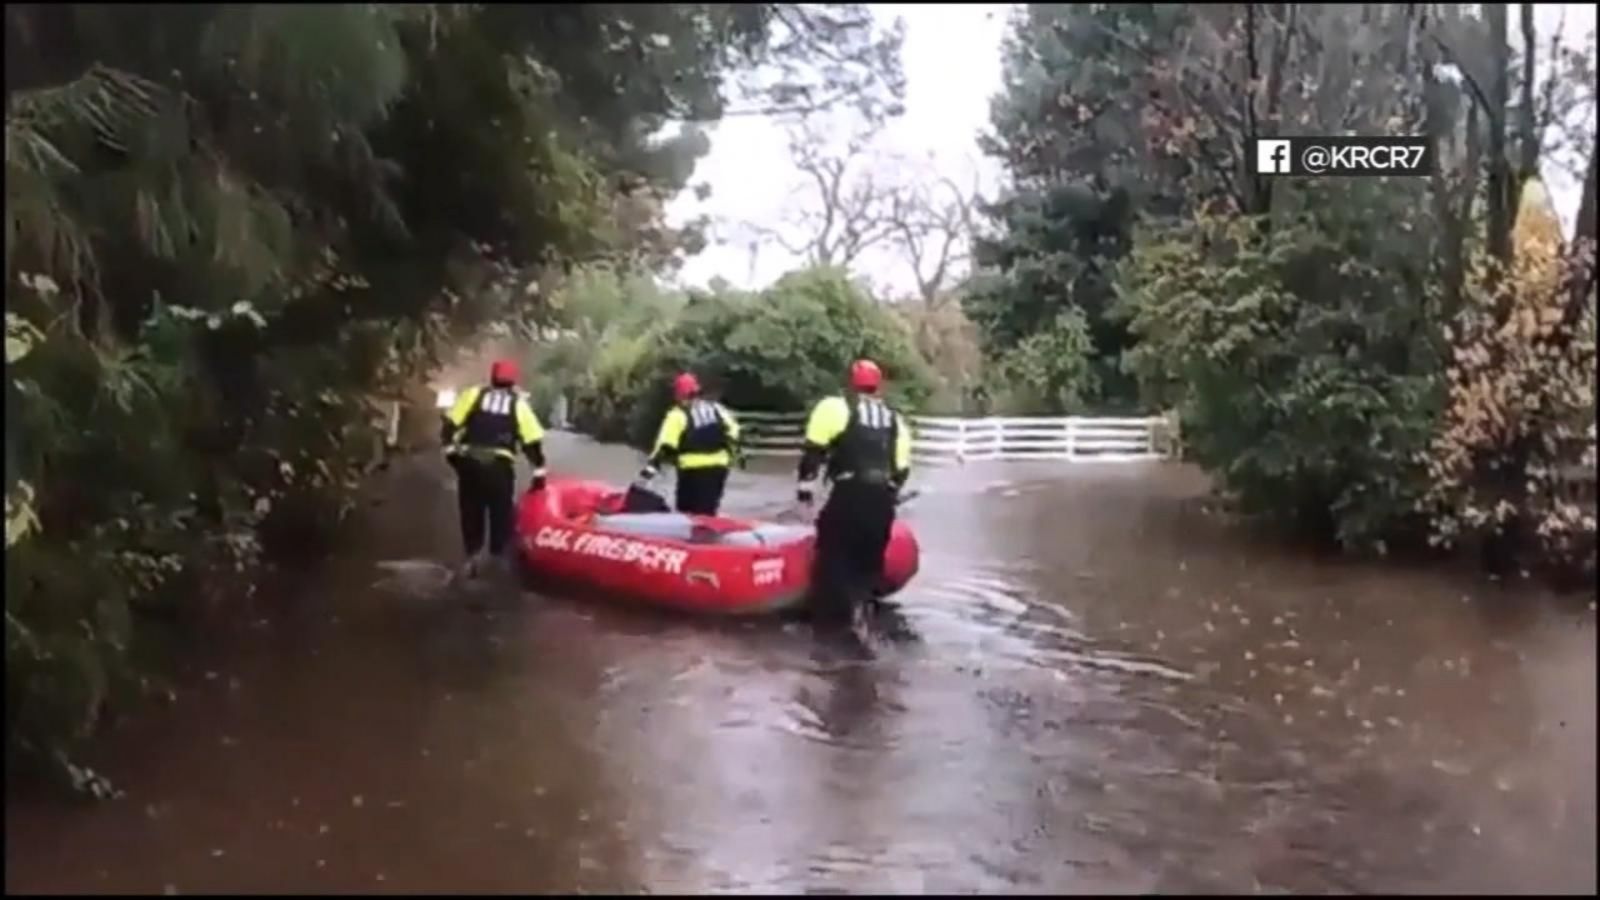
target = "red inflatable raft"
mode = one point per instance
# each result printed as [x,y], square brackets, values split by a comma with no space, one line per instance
[575,531]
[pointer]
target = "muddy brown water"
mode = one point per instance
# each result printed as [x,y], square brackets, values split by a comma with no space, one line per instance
[1112,692]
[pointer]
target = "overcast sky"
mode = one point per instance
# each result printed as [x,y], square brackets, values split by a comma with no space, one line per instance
[1564,177]
[952,65]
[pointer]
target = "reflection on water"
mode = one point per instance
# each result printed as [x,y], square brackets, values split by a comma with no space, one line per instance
[1110,692]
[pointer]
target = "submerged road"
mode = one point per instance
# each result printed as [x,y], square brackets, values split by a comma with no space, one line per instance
[1113,692]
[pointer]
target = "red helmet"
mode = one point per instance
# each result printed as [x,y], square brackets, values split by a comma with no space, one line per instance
[865,375]
[503,371]
[685,386]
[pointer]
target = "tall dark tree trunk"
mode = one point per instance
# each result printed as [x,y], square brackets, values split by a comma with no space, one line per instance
[1500,175]
[1506,180]
[1581,254]
[1455,188]
[1585,230]
[1527,127]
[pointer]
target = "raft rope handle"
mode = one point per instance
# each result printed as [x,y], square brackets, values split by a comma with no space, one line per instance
[707,577]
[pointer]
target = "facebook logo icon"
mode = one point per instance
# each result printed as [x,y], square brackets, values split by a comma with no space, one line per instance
[1272,157]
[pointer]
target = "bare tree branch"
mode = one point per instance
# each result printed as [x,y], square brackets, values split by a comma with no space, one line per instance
[844,208]
[933,219]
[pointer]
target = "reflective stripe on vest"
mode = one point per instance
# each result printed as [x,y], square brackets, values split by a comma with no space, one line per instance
[704,442]
[865,451]
[491,428]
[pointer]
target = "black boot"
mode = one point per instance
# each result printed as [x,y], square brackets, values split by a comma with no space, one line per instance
[833,619]
[888,621]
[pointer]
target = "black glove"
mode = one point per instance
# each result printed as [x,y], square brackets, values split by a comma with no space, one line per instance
[537,485]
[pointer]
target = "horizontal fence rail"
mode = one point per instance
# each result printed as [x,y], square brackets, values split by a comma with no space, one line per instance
[955,440]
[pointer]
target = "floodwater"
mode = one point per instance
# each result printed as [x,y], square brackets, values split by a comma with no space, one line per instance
[1112,692]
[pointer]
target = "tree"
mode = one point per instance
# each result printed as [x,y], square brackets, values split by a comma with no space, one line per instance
[1305,376]
[229,229]
[820,58]
[931,222]
[842,208]
[1063,114]
[778,350]
[855,198]
[1227,279]
[1071,127]
[1146,119]
[950,343]
[1054,252]
[1515,330]
[1516,447]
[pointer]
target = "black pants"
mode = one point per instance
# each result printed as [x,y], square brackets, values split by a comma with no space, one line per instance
[852,533]
[700,490]
[485,489]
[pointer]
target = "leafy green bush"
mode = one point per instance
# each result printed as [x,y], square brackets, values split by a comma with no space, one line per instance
[1512,465]
[611,408]
[794,343]
[1051,369]
[1046,280]
[780,350]
[1305,376]
[951,344]
[599,324]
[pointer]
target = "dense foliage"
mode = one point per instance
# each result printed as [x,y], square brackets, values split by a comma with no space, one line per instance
[1067,129]
[1302,376]
[1049,273]
[1521,390]
[1365,359]
[952,346]
[229,229]
[781,349]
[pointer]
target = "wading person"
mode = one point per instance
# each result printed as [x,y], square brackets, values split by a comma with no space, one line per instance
[864,448]
[701,439]
[482,434]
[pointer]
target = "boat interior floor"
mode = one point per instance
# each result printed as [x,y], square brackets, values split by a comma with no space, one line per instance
[680,527]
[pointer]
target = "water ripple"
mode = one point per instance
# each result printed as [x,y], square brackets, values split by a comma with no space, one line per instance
[985,611]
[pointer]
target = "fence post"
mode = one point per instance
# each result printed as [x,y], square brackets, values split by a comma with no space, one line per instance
[961,442]
[1169,423]
[1072,438]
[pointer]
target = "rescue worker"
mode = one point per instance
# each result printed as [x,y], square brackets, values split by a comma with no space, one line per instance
[482,433]
[866,447]
[701,438]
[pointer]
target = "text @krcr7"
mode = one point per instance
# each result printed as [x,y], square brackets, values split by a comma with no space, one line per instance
[1342,156]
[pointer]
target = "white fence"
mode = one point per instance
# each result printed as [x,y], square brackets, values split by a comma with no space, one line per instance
[952,440]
